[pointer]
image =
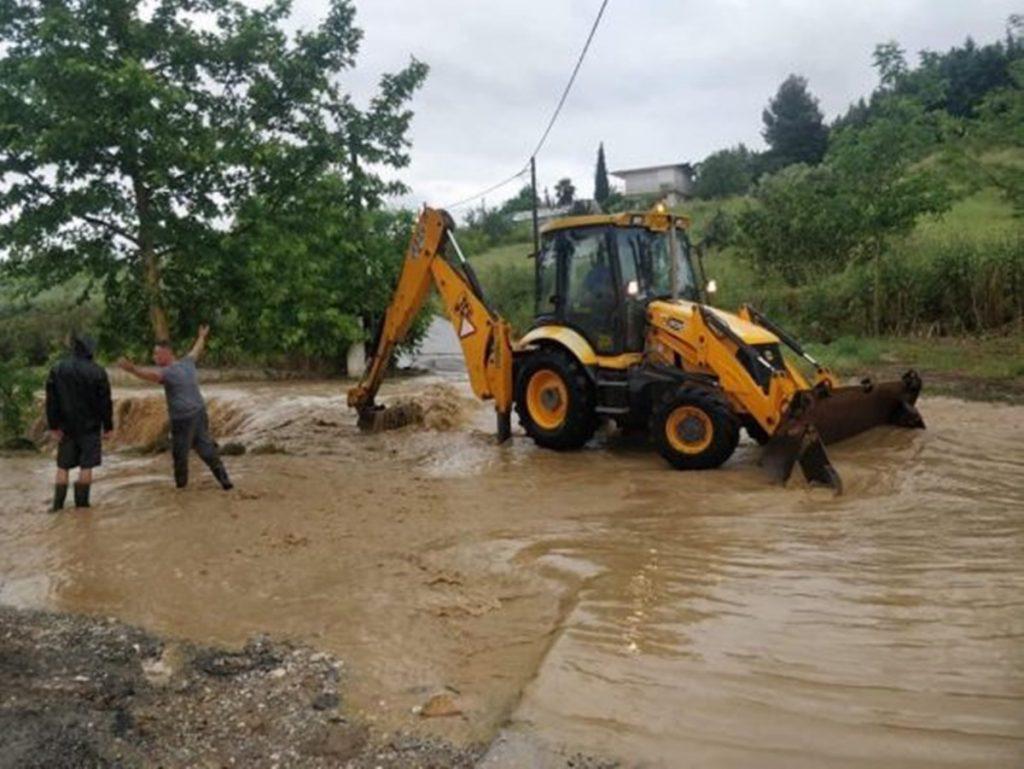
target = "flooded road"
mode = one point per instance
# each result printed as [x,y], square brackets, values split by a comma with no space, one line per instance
[592,601]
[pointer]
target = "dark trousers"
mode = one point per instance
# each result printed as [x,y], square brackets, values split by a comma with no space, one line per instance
[194,433]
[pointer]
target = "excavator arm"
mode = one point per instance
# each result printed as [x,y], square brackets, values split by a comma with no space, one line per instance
[484,336]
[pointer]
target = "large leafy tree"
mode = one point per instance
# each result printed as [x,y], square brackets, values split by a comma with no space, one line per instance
[303,287]
[133,135]
[802,227]
[794,127]
[884,173]
[725,172]
[523,201]
[873,187]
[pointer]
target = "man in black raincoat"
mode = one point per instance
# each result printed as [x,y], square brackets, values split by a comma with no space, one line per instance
[79,412]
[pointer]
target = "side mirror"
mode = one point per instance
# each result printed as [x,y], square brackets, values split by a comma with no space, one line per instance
[712,286]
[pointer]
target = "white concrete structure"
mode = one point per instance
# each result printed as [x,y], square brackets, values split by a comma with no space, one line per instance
[543,214]
[674,182]
[355,360]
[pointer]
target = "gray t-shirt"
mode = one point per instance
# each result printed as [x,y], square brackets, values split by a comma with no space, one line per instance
[181,385]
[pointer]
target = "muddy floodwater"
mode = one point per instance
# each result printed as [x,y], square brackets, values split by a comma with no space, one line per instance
[594,601]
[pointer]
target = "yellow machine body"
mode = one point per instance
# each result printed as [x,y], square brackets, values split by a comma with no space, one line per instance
[699,375]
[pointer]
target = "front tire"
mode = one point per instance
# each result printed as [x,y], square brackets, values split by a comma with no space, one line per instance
[694,429]
[555,400]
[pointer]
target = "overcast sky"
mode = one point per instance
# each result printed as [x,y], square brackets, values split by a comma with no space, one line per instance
[665,80]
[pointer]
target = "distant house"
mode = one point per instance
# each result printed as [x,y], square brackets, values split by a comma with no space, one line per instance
[674,182]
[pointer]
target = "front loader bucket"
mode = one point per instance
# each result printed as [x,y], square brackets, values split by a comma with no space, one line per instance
[825,416]
[796,442]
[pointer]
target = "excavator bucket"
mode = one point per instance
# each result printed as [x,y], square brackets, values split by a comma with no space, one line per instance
[375,419]
[824,416]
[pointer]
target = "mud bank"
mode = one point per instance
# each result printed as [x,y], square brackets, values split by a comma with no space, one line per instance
[593,601]
[81,692]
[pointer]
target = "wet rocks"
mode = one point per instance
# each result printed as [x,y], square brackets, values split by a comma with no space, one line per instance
[269,448]
[258,654]
[326,701]
[440,706]
[78,691]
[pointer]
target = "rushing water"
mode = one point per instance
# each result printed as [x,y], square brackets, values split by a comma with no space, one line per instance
[591,601]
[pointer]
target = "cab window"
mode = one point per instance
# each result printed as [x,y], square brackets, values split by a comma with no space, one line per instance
[590,286]
[547,279]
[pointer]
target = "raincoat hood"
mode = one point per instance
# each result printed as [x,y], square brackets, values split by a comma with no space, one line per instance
[83,346]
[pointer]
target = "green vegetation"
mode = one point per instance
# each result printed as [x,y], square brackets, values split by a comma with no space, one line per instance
[602,190]
[18,385]
[977,368]
[724,173]
[794,127]
[194,161]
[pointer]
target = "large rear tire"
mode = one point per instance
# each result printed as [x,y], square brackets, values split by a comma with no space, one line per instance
[694,429]
[555,400]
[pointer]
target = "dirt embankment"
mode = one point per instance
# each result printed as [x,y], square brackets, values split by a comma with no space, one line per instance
[81,692]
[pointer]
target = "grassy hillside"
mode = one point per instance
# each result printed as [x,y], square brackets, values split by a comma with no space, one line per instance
[515,255]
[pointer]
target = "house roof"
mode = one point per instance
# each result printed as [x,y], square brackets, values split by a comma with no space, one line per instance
[685,166]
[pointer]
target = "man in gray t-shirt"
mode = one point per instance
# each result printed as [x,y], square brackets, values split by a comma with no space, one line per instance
[190,426]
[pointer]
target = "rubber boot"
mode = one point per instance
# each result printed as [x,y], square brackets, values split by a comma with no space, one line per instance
[82,494]
[60,493]
[221,474]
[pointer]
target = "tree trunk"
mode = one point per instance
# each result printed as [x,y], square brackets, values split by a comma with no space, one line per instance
[150,265]
[157,314]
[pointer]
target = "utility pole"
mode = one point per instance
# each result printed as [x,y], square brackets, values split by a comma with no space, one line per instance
[673,247]
[533,186]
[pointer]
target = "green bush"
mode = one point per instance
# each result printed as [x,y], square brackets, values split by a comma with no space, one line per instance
[33,330]
[18,386]
[931,287]
[510,290]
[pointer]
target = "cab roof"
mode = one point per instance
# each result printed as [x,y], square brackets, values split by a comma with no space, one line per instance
[652,220]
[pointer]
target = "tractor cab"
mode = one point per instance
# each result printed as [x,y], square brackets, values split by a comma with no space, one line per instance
[596,275]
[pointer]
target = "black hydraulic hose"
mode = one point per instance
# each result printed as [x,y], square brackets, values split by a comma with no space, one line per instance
[782,334]
[470,273]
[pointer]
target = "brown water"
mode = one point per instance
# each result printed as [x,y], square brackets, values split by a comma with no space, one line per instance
[589,601]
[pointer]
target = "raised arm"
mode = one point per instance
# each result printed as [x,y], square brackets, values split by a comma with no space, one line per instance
[200,343]
[145,374]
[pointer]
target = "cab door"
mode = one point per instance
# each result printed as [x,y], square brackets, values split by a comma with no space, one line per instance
[590,287]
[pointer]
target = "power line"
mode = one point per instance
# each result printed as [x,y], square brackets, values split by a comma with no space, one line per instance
[572,79]
[551,122]
[489,190]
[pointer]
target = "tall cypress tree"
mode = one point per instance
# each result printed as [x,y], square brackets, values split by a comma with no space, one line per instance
[601,188]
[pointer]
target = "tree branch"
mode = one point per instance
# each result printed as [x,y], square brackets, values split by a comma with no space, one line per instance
[111,227]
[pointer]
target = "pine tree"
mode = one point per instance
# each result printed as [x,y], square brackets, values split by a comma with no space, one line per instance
[794,126]
[601,188]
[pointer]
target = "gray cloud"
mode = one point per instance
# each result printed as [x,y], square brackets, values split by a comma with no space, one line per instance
[664,81]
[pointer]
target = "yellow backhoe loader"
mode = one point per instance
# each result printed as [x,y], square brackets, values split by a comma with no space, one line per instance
[624,331]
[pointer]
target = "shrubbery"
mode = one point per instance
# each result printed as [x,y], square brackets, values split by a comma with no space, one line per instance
[18,385]
[510,290]
[934,288]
